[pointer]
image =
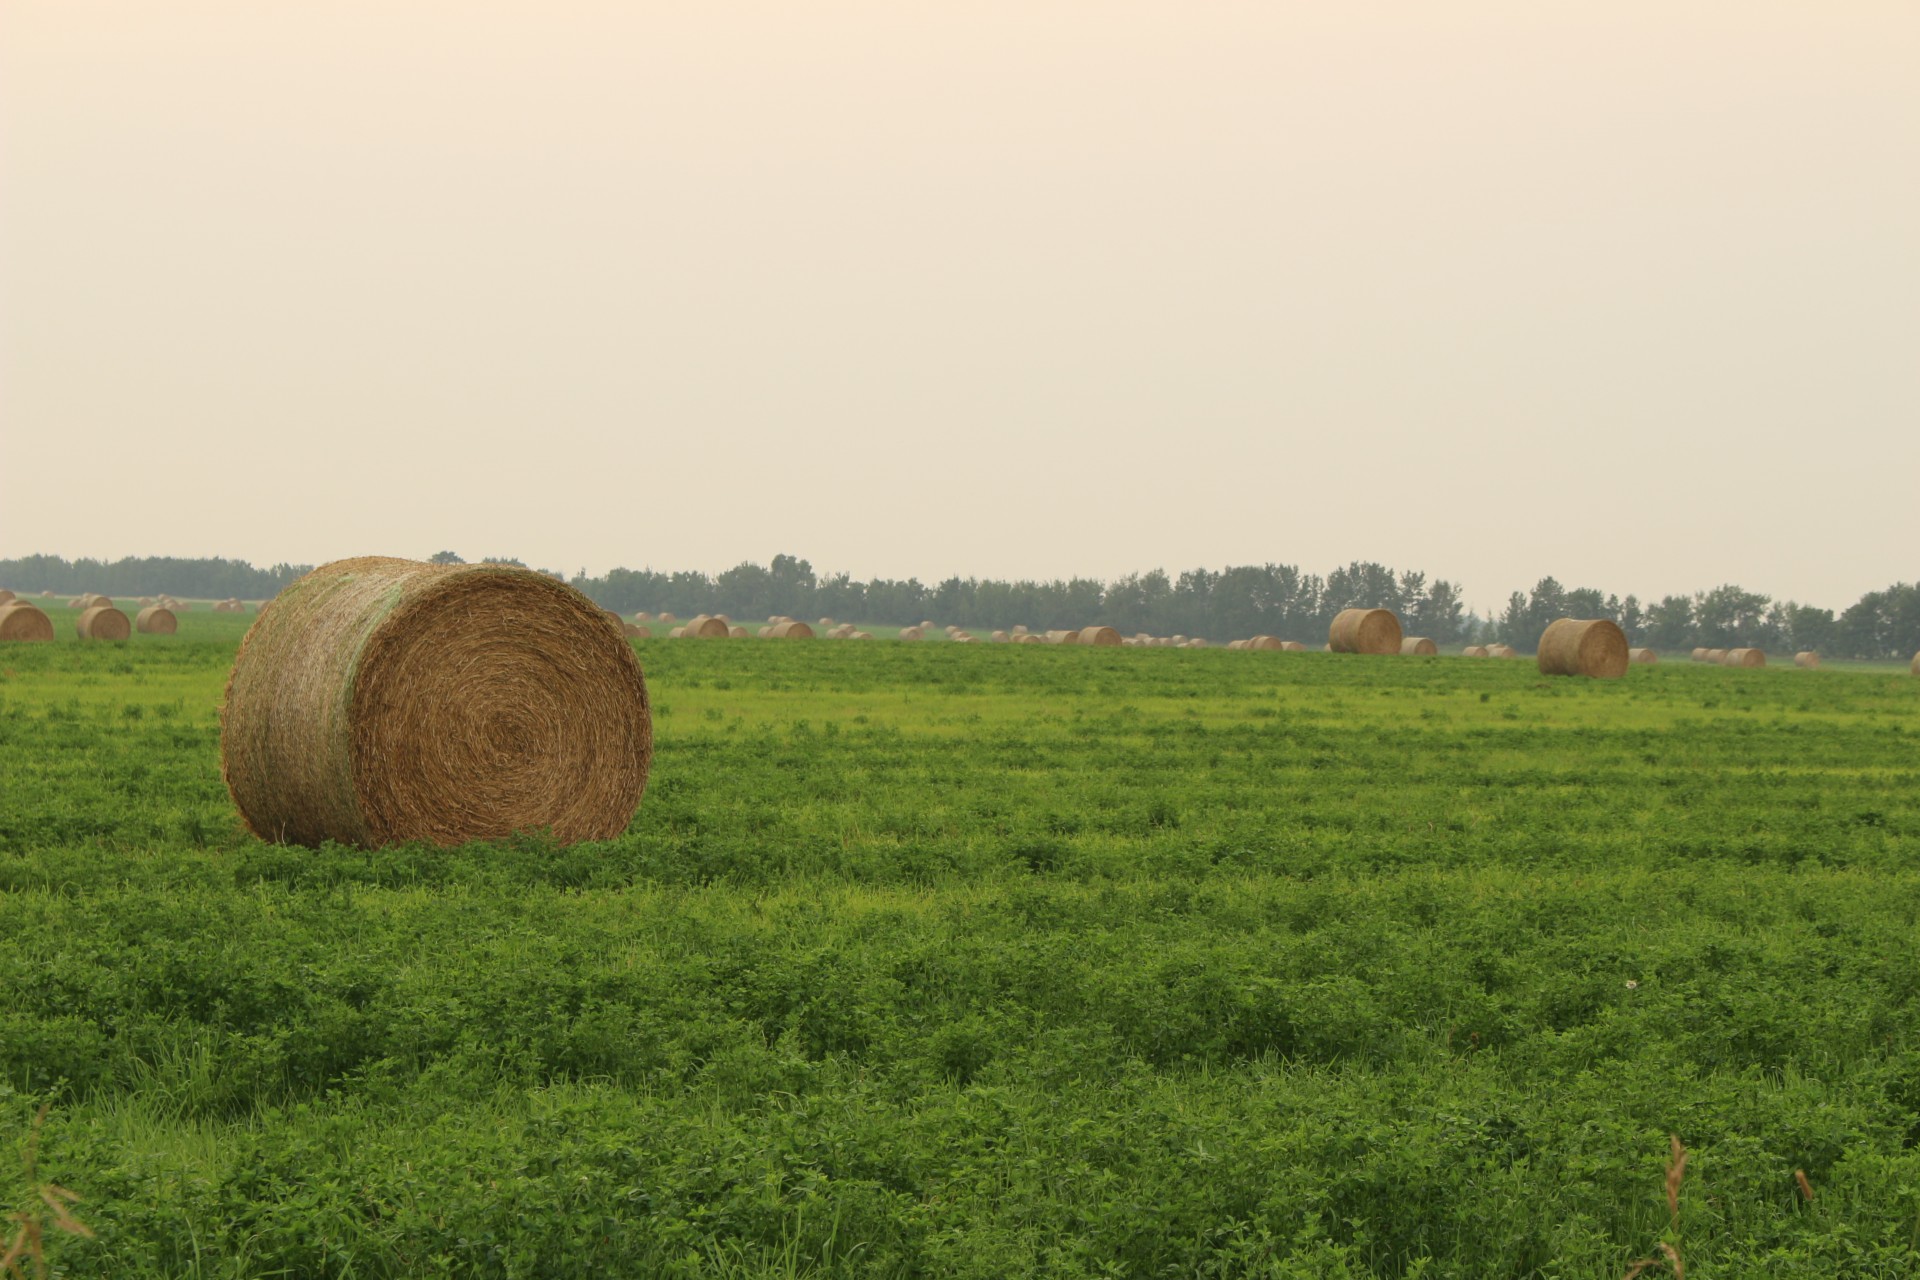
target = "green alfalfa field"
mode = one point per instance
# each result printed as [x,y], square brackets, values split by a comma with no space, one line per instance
[988,961]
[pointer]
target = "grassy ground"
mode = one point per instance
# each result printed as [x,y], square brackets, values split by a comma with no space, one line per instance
[990,961]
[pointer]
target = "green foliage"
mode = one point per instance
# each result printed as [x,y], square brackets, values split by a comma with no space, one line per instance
[935,960]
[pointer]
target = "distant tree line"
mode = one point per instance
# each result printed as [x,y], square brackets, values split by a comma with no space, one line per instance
[1245,600]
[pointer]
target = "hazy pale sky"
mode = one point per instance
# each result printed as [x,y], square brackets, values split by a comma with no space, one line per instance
[1628,293]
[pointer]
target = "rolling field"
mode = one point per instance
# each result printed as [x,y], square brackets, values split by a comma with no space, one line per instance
[988,961]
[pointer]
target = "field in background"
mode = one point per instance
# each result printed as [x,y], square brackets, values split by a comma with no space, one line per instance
[988,961]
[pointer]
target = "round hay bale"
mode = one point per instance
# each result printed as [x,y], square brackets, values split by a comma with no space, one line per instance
[1642,657]
[1502,651]
[910,633]
[156,620]
[1265,642]
[78,602]
[828,624]
[102,622]
[738,633]
[1063,637]
[666,617]
[1715,656]
[1106,637]
[1418,646]
[927,626]
[1807,659]
[1292,646]
[1196,643]
[678,633]
[766,632]
[643,616]
[724,618]
[1000,637]
[1913,668]
[1474,651]
[24,623]
[46,595]
[791,630]
[635,631]
[147,602]
[1020,629]
[380,700]
[1236,644]
[861,635]
[704,627]
[1029,638]
[7,597]
[1593,647]
[1746,658]
[1700,655]
[1374,631]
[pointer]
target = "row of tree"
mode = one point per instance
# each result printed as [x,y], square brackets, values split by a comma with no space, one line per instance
[1269,599]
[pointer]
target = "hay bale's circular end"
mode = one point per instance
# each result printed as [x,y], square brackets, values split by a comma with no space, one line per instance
[7,598]
[1745,658]
[156,620]
[739,633]
[1105,637]
[1474,651]
[1595,647]
[1807,659]
[1418,646]
[791,630]
[1699,655]
[24,623]
[910,633]
[1063,637]
[706,627]
[378,700]
[1372,631]
[999,637]
[634,631]
[1642,657]
[103,622]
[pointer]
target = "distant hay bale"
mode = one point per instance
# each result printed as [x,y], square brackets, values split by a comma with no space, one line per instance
[1806,658]
[1179,640]
[102,622]
[861,635]
[78,602]
[1474,651]
[910,633]
[828,624]
[725,619]
[156,620]
[1715,656]
[1372,631]
[1020,629]
[1913,668]
[24,623]
[927,626]
[1594,647]
[738,633]
[637,632]
[791,630]
[380,700]
[1266,642]
[1000,637]
[1197,642]
[46,595]
[678,633]
[1642,657]
[703,627]
[1418,646]
[1745,658]
[1700,655]
[666,617]
[1236,644]
[1292,646]
[1029,637]
[1502,651]
[642,616]
[146,602]
[766,632]
[1105,637]
[1063,637]
[7,598]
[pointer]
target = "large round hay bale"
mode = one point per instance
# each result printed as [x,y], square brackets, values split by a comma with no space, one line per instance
[1474,651]
[380,700]
[1019,629]
[1105,637]
[1000,637]
[704,627]
[828,624]
[1745,658]
[1236,644]
[7,597]
[102,622]
[20,621]
[156,620]
[1595,647]
[766,632]
[1418,646]
[925,625]
[739,633]
[678,633]
[791,630]
[643,616]
[1715,656]
[1699,655]
[634,631]
[1374,631]
[1063,637]
[666,617]
[1502,651]
[1806,658]
[1642,657]
[910,633]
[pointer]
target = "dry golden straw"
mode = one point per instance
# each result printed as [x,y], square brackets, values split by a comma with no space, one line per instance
[1103,636]
[1913,668]
[102,622]
[909,633]
[791,630]
[1699,655]
[1806,658]
[1715,656]
[1374,631]
[23,622]
[1745,658]
[1502,651]
[1583,647]
[1642,657]
[1063,637]
[1474,651]
[1419,647]
[706,628]
[156,620]
[7,598]
[380,700]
